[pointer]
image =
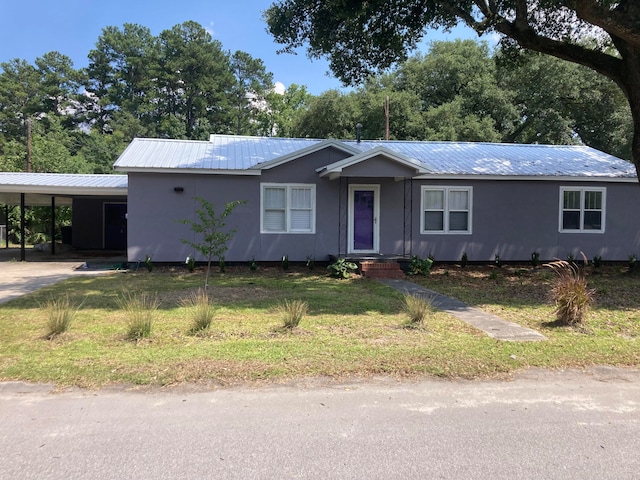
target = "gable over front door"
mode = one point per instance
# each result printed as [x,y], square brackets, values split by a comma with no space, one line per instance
[364,226]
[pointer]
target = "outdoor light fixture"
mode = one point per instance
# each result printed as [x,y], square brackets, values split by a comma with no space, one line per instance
[178,189]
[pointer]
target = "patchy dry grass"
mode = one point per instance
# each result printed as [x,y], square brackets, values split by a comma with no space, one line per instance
[353,327]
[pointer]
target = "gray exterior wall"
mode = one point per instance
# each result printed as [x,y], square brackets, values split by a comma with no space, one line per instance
[155,212]
[87,221]
[510,218]
[515,218]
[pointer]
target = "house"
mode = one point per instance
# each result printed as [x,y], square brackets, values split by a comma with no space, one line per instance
[321,198]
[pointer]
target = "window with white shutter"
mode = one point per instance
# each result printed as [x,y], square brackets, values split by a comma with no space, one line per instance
[288,208]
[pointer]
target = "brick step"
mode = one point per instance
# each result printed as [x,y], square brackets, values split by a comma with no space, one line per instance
[381,270]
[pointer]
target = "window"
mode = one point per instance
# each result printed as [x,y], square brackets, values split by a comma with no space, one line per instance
[446,210]
[288,208]
[582,209]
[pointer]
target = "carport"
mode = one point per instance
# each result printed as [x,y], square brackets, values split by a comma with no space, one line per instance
[90,194]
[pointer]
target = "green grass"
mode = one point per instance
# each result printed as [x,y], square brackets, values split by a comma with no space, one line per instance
[353,327]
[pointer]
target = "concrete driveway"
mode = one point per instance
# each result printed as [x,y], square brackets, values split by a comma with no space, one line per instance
[42,269]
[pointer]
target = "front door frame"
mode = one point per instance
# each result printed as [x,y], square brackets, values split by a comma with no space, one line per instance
[375,188]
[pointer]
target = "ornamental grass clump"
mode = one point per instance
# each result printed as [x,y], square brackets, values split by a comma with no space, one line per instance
[570,293]
[201,311]
[60,313]
[292,312]
[140,309]
[417,309]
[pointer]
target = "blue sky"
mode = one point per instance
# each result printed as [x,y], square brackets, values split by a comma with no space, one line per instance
[29,29]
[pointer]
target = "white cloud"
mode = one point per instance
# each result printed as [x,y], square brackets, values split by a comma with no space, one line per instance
[279,88]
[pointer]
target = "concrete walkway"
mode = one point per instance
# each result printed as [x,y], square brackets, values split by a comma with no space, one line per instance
[492,325]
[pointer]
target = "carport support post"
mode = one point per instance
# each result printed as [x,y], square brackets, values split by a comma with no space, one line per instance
[22,228]
[53,225]
[6,226]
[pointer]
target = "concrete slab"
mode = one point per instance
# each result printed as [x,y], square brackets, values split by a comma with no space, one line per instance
[20,278]
[492,325]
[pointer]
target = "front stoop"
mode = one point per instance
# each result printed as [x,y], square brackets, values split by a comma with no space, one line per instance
[381,270]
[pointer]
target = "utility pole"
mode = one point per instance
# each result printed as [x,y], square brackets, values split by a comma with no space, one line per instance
[28,145]
[386,118]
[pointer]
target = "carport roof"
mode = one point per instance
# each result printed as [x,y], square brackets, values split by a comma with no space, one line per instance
[40,187]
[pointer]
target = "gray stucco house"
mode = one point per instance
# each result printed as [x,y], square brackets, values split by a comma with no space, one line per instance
[324,198]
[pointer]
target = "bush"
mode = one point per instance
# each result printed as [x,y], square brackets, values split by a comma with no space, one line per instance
[570,293]
[201,311]
[60,314]
[416,308]
[420,266]
[140,310]
[535,259]
[292,312]
[341,268]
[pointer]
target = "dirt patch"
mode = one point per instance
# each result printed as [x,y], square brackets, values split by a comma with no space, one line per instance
[217,295]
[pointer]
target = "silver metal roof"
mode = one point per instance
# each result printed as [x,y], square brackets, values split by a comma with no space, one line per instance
[222,152]
[39,187]
[230,153]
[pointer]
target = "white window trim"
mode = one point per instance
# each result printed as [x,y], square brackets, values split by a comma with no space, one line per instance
[288,187]
[582,191]
[446,190]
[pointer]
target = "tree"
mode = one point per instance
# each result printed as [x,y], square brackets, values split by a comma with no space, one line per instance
[194,82]
[576,105]
[283,111]
[330,114]
[121,73]
[210,228]
[252,83]
[362,37]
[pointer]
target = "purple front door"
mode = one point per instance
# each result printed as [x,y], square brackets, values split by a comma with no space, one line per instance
[363,219]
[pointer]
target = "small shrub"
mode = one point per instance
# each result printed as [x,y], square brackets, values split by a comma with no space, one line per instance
[292,312]
[201,311]
[222,266]
[571,258]
[420,266]
[497,261]
[535,259]
[140,310]
[417,308]
[60,314]
[634,263]
[597,262]
[570,293]
[311,263]
[148,263]
[285,262]
[464,260]
[341,268]
[253,266]
[493,275]
[190,262]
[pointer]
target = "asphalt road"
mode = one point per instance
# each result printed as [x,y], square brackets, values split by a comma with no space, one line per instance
[541,425]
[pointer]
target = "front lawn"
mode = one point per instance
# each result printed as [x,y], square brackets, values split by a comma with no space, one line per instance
[353,328]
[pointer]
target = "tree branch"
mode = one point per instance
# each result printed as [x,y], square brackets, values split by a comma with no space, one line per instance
[622,21]
[608,65]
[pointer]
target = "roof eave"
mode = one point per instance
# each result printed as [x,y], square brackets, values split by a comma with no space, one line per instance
[189,171]
[557,178]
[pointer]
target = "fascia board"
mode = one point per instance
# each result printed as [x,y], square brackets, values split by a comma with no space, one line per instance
[189,171]
[547,178]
